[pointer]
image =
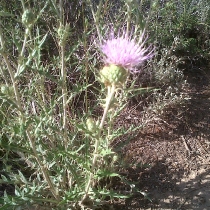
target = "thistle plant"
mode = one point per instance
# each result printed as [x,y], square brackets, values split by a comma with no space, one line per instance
[66,152]
[122,54]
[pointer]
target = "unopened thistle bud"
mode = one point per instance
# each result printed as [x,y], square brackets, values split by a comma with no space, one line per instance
[7,90]
[28,18]
[3,89]
[155,5]
[63,33]
[115,158]
[91,125]
[113,75]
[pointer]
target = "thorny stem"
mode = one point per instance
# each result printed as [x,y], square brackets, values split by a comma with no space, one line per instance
[18,102]
[24,42]
[128,18]
[108,102]
[86,57]
[63,78]
[23,5]
[96,17]
[64,93]
[111,93]
[10,69]
[4,75]
[43,168]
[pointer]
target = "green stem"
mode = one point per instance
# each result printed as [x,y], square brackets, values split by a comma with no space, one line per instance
[64,95]
[95,154]
[23,5]
[108,102]
[24,42]
[96,17]
[4,75]
[66,174]
[63,78]
[85,24]
[128,18]
[9,67]
[61,11]
[43,168]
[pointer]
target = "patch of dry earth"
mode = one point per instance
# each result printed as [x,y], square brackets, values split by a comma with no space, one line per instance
[177,154]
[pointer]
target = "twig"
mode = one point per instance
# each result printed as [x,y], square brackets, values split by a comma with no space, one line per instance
[186,145]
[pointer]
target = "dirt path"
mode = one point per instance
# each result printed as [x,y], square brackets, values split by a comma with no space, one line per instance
[178,154]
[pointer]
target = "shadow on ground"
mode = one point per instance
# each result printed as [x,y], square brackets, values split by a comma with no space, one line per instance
[178,176]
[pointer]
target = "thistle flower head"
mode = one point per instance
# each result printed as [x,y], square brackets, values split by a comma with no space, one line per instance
[125,51]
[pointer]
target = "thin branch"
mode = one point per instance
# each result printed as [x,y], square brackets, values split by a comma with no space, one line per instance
[95,154]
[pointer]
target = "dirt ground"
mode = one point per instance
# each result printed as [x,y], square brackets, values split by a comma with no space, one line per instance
[176,153]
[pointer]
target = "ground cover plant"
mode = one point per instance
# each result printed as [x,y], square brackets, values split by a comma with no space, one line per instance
[69,71]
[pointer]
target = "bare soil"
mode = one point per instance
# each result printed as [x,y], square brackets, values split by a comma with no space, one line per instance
[170,161]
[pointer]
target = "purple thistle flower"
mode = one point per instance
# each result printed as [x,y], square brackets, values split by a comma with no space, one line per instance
[124,51]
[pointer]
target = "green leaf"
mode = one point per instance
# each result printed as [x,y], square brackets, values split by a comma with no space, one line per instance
[5,14]
[105,152]
[4,179]
[106,173]
[43,40]
[7,100]
[6,206]
[52,4]
[20,70]
[113,194]
[145,195]
[22,177]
